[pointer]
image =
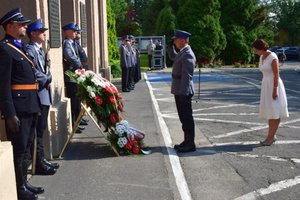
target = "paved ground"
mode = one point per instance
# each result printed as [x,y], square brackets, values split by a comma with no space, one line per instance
[228,163]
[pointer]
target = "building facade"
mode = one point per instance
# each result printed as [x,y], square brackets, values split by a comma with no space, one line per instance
[90,15]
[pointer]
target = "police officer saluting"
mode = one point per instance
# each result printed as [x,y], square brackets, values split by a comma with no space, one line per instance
[36,33]
[182,87]
[19,102]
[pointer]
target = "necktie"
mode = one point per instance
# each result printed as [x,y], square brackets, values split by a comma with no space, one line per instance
[41,58]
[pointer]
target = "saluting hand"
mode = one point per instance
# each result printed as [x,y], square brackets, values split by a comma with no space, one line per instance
[13,124]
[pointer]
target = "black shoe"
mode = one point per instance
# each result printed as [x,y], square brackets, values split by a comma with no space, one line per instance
[83,123]
[25,194]
[33,189]
[126,90]
[176,146]
[186,148]
[80,128]
[85,120]
[50,164]
[78,131]
[42,169]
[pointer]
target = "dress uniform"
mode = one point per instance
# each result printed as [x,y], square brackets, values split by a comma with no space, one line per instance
[19,102]
[81,52]
[125,61]
[133,61]
[44,79]
[182,87]
[71,62]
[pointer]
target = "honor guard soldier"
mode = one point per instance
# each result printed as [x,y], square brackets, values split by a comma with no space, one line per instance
[125,61]
[71,62]
[19,103]
[36,32]
[182,87]
[81,52]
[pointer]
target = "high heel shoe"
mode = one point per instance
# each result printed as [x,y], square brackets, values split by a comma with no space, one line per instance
[264,143]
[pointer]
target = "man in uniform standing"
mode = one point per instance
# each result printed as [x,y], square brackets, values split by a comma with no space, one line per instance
[36,33]
[19,102]
[182,87]
[125,62]
[71,62]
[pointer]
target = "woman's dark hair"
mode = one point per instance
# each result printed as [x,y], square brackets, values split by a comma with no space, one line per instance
[260,44]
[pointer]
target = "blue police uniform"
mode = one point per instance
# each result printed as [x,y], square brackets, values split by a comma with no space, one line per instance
[81,52]
[44,79]
[71,62]
[182,87]
[19,102]
[125,62]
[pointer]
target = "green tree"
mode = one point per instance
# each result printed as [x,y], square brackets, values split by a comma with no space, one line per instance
[241,28]
[166,22]
[150,15]
[287,15]
[113,51]
[202,19]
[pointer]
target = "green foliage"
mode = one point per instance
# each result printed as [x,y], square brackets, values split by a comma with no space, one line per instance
[115,68]
[150,15]
[288,21]
[113,51]
[241,28]
[208,39]
[165,23]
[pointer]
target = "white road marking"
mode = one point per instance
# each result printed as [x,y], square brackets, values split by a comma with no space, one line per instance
[224,114]
[255,142]
[174,160]
[274,158]
[172,116]
[272,188]
[166,99]
[224,106]
[251,129]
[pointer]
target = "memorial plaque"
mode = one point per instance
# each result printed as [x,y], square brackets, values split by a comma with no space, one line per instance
[54,25]
[83,25]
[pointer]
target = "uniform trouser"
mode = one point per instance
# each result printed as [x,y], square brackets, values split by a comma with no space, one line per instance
[131,72]
[21,143]
[185,113]
[150,61]
[125,76]
[40,129]
[72,89]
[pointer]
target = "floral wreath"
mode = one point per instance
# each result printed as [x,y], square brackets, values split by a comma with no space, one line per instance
[106,103]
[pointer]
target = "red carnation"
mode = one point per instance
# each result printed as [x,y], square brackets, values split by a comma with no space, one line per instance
[135,150]
[107,88]
[98,100]
[112,99]
[118,96]
[113,118]
[128,146]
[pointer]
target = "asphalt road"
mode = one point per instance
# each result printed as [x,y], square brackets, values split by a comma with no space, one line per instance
[229,162]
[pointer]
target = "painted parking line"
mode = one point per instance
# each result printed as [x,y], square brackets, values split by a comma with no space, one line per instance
[255,142]
[252,129]
[173,157]
[272,158]
[272,188]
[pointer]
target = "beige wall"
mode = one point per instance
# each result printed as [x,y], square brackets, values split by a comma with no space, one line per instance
[7,174]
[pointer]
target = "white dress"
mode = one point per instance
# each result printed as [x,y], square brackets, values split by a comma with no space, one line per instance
[269,108]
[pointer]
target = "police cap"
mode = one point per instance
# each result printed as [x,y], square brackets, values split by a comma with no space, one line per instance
[125,37]
[181,34]
[70,26]
[37,25]
[14,15]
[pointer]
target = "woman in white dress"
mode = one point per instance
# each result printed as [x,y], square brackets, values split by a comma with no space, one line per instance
[273,101]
